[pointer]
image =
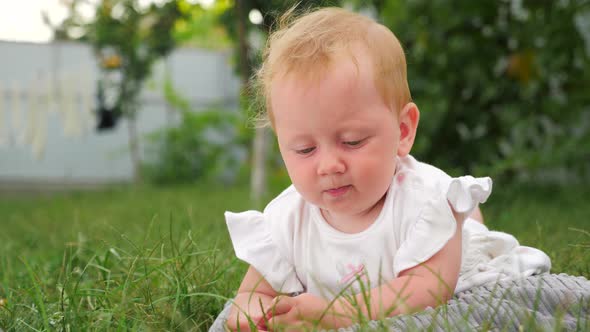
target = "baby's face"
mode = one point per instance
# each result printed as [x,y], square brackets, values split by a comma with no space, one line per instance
[338,139]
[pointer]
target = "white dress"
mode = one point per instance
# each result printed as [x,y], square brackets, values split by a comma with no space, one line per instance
[296,250]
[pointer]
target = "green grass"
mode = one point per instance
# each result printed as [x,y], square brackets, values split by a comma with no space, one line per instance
[160,259]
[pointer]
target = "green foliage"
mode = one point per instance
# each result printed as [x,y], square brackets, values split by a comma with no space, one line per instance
[271,11]
[208,144]
[502,85]
[202,28]
[130,40]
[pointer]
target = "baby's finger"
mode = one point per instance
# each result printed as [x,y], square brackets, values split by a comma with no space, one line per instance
[261,325]
[242,322]
[280,322]
[280,305]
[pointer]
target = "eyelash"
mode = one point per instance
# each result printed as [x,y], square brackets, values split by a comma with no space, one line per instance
[352,144]
[305,151]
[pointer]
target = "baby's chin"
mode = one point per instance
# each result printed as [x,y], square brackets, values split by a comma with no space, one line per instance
[348,209]
[345,204]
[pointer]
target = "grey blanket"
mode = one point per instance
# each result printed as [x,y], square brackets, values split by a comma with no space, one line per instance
[541,302]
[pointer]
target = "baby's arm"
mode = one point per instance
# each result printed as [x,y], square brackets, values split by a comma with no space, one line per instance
[429,284]
[426,285]
[254,294]
[476,215]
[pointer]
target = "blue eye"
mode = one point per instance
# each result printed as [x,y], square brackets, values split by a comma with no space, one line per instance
[305,151]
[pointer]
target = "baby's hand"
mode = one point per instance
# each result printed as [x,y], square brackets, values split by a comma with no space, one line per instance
[304,311]
[247,311]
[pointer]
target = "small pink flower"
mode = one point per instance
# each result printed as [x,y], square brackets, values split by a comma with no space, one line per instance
[400,178]
[354,271]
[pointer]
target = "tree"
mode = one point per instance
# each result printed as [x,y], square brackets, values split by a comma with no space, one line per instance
[127,40]
[202,29]
[502,85]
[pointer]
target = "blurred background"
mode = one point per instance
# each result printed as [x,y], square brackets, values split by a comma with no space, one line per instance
[95,92]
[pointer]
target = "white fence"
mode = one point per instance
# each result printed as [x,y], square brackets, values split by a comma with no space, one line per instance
[47,119]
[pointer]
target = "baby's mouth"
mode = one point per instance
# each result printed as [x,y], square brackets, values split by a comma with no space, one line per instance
[338,191]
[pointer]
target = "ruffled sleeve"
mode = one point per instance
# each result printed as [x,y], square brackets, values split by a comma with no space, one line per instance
[435,224]
[466,193]
[253,242]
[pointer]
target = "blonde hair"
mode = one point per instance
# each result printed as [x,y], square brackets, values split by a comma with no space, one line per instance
[308,44]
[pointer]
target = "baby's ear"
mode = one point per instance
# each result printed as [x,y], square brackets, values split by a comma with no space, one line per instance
[408,124]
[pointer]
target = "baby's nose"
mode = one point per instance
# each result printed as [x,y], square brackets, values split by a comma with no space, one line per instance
[330,163]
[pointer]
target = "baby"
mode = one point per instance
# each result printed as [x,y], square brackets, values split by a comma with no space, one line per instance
[365,229]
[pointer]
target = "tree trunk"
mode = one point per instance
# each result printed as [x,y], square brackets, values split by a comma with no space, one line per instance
[259,150]
[258,180]
[169,107]
[134,149]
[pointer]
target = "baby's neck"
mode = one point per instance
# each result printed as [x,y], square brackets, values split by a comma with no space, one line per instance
[354,223]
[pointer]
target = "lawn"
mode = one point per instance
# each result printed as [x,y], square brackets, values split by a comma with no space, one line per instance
[160,259]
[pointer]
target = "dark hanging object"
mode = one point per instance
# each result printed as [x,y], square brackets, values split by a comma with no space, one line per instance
[107,116]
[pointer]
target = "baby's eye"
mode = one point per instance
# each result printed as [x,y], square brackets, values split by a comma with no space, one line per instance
[306,150]
[354,143]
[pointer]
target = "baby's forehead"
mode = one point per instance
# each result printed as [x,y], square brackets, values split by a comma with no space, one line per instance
[349,67]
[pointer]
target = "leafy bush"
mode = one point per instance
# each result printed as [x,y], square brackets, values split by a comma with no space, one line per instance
[204,145]
[502,85]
